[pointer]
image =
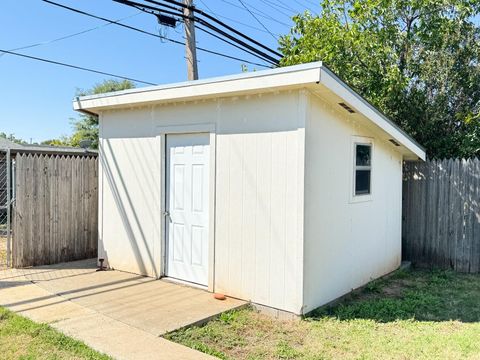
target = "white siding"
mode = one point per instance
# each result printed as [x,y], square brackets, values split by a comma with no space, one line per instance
[258,247]
[346,244]
[257,194]
[129,183]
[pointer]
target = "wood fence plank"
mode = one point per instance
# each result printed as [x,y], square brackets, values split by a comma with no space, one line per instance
[55,217]
[441,214]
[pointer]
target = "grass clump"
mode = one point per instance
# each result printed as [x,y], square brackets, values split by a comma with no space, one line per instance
[412,314]
[21,338]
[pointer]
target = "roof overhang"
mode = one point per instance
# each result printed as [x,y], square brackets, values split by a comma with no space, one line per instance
[309,76]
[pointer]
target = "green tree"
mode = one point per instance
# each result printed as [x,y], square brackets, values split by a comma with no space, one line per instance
[86,126]
[12,138]
[62,141]
[416,60]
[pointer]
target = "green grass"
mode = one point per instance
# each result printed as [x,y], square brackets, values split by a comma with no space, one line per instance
[24,339]
[412,315]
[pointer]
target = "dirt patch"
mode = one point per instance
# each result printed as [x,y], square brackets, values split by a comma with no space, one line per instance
[396,288]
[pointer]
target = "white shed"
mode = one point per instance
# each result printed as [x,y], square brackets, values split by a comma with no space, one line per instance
[281,187]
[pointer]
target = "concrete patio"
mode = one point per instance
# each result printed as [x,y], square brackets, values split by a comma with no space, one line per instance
[118,313]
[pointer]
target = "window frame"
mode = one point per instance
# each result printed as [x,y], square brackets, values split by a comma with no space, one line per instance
[361,140]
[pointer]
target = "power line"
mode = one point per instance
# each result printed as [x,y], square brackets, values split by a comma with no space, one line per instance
[152,34]
[253,15]
[261,14]
[308,8]
[74,67]
[310,2]
[265,56]
[278,7]
[229,42]
[261,54]
[212,18]
[283,5]
[232,20]
[70,35]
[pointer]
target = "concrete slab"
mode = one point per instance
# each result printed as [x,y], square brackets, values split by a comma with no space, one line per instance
[122,341]
[117,313]
[155,306]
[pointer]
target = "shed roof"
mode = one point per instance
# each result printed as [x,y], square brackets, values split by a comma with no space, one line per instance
[314,76]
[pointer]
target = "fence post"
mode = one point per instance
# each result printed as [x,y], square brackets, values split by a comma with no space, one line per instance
[9,207]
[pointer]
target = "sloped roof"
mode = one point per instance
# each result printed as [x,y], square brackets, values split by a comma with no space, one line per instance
[313,76]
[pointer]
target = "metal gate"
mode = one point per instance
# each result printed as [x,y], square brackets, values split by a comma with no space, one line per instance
[6,200]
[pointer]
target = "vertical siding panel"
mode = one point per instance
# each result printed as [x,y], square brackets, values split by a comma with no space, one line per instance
[222,214]
[291,230]
[236,189]
[256,228]
[249,213]
[263,211]
[278,221]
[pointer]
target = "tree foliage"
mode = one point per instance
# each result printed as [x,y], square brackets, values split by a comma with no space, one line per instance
[62,141]
[416,60]
[12,138]
[86,126]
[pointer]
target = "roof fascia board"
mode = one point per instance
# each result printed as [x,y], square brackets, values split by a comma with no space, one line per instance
[337,86]
[298,76]
[295,76]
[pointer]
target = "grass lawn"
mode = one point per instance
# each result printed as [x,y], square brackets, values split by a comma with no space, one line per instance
[414,314]
[24,339]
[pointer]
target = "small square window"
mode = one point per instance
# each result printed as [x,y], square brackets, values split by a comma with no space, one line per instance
[363,169]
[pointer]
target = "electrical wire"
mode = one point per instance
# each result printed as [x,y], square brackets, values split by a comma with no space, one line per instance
[74,67]
[153,10]
[307,7]
[229,42]
[253,15]
[277,7]
[261,54]
[265,16]
[70,35]
[310,2]
[232,20]
[153,34]
[282,5]
[210,17]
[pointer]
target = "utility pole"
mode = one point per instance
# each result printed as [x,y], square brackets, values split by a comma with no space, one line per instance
[190,44]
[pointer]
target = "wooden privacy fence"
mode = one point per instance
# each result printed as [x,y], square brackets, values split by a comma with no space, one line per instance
[441,214]
[55,215]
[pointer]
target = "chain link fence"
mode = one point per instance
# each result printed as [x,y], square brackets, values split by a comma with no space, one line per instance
[5,207]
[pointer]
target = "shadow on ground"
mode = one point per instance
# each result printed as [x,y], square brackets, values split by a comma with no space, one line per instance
[424,295]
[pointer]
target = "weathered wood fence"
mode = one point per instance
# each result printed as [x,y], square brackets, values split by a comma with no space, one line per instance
[55,213]
[441,214]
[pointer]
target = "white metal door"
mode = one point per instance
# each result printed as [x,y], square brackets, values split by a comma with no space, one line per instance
[187,210]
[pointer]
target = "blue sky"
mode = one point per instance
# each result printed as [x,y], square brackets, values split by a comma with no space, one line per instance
[36,97]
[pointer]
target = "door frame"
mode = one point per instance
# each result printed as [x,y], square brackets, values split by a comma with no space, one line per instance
[162,133]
